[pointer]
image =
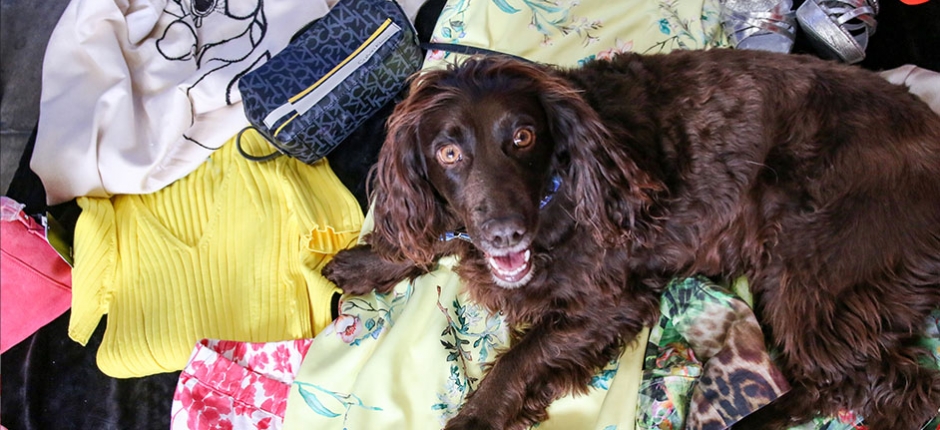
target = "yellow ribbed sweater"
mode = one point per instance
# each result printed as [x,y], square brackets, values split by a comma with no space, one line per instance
[232,251]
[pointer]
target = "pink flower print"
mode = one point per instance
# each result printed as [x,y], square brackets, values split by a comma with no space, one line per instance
[258,362]
[207,410]
[223,346]
[265,424]
[620,48]
[282,358]
[184,394]
[302,345]
[226,379]
[233,350]
[276,406]
[200,369]
[271,387]
[211,401]
[436,54]
[244,407]
[348,327]
[275,394]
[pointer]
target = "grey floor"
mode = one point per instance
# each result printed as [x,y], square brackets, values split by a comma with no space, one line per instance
[25,27]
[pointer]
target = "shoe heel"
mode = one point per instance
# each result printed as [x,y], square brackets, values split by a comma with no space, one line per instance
[831,39]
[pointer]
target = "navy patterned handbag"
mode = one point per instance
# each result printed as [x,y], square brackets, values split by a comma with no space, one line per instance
[336,73]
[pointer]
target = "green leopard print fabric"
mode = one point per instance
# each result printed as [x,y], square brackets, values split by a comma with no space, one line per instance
[706,364]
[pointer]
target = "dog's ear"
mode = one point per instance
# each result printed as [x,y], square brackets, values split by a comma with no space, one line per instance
[609,190]
[408,217]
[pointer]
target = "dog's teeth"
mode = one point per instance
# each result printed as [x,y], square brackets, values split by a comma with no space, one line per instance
[506,268]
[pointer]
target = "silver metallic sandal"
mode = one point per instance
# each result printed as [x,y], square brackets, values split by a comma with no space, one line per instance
[839,29]
[767,25]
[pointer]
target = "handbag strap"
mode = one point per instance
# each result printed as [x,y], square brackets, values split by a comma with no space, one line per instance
[238,144]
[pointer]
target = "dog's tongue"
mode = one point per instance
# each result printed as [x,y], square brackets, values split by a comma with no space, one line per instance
[510,267]
[508,263]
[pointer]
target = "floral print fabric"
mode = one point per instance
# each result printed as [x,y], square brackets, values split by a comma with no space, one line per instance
[236,385]
[706,366]
[570,32]
[409,358]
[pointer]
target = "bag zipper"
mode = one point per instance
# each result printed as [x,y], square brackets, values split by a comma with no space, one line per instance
[309,97]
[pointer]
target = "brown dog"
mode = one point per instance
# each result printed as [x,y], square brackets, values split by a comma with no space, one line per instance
[583,191]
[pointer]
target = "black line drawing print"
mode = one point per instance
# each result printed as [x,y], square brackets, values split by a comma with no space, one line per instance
[215,35]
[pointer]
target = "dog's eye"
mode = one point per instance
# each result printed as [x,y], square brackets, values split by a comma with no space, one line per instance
[523,137]
[449,154]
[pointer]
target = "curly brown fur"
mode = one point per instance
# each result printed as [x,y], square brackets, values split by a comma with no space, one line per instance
[819,182]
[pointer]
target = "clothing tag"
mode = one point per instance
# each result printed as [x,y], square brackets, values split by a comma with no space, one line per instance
[58,237]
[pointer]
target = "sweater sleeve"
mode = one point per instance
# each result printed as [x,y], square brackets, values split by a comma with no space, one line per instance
[96,259]
[330,220]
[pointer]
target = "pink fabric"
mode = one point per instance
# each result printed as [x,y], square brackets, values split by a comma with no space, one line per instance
[236,385]
[36,284]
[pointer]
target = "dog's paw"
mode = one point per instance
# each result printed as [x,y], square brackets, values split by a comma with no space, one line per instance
[359,271]
[350,270]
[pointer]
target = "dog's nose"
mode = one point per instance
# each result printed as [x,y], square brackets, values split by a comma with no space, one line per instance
[504,232]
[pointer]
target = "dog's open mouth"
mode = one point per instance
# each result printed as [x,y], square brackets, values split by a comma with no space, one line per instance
[512,269]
